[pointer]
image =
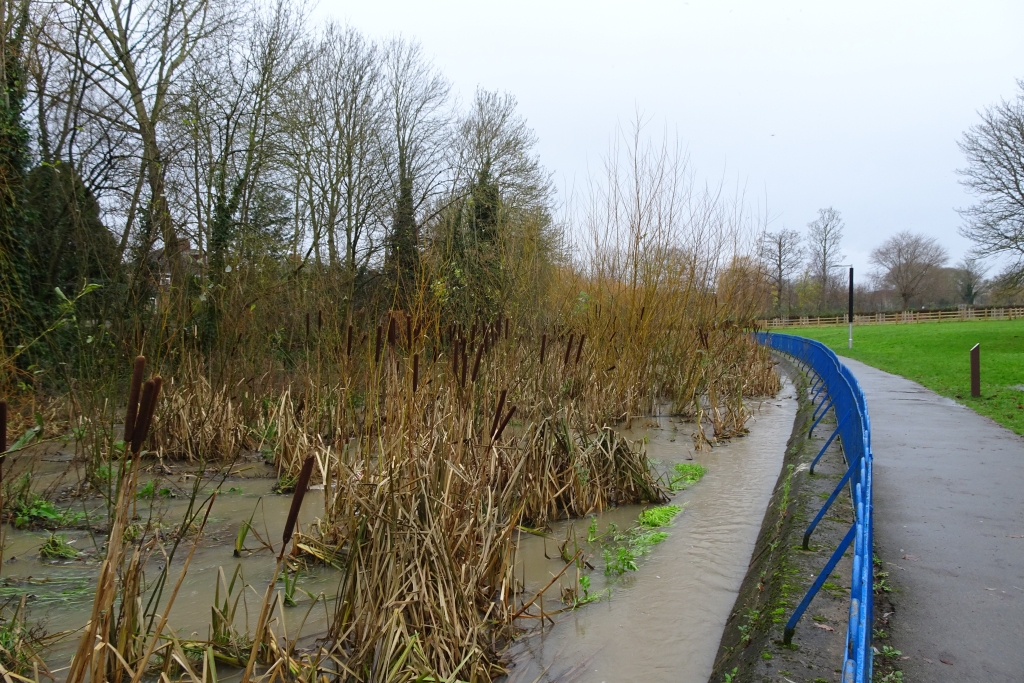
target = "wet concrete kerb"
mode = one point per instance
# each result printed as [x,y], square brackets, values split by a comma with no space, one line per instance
[780,571]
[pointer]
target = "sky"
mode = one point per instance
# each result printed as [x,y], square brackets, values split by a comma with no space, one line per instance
[853,105]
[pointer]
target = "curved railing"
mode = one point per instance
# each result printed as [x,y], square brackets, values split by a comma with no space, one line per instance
[834,387]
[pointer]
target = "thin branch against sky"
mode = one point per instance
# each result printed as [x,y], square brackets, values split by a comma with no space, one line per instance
[857,106]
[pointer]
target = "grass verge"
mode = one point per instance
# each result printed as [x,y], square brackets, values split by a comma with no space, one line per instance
[937,356]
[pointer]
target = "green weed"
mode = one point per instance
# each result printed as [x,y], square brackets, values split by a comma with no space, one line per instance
[147,491]
[57,547]
[659,516]
[685,474]
[889,652]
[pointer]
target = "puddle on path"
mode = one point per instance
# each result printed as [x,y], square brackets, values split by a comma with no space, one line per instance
[664,622]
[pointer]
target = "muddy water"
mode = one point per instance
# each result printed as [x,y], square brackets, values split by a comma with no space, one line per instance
[664,621]
[60,593]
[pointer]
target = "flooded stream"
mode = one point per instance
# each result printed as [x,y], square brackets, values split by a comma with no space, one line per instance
[664,621]
[60,593]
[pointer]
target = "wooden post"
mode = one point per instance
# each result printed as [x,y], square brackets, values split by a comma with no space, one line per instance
[976,371]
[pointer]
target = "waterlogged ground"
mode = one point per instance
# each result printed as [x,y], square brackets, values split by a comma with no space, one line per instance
[664,621]
[60,592]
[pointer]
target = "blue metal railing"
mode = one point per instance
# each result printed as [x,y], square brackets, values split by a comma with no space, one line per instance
[837,389]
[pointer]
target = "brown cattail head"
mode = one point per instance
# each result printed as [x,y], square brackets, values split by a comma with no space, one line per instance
[476,363]
[415,371]
[307,324]
[497,414]
[3,426]
[579,351]
[380,342]
[132,412]
[147,407]
[3,438]
[568,348]
[543,346]
[408,330]
[319,320]
[301,484]
[348,343]
[464,364]
[501,428]
[392,333]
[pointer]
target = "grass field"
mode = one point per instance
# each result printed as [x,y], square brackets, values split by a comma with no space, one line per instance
[937,355]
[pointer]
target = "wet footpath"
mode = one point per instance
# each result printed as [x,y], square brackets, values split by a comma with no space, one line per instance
[949,528]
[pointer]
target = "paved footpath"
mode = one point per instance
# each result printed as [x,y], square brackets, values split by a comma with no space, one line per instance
[949,523]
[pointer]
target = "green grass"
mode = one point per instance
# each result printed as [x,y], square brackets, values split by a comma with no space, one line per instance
[937,356]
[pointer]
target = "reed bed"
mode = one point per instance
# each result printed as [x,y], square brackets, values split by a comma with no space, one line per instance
[432,433]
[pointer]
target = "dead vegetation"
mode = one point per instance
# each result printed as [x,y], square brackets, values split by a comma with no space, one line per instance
[433,436]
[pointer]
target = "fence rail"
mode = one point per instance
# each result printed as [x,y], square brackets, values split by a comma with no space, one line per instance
[903,317]
[835,388]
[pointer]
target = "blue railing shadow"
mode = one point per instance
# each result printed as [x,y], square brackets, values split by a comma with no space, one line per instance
[837,389]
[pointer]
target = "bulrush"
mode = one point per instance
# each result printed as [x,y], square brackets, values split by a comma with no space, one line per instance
[501,427]
[301,484]
[150,392]
[579,351]
[415,371]
[568,348]
[462,381]
[3,443]
[476,363]
[132,411]
[497,414]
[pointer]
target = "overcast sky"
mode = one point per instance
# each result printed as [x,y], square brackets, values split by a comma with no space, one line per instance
[855,105]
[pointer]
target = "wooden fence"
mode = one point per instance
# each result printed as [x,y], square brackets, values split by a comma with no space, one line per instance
[1005,313]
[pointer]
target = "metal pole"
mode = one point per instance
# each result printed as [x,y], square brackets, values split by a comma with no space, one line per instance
[976,371]
[850,319]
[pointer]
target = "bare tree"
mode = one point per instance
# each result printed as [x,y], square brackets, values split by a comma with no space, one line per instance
[995,174]
[824,236]
[905,261]
[228,112]
[781,255]
[416,98]
[135,52]
[498,221]
[969,278]
[341,130]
